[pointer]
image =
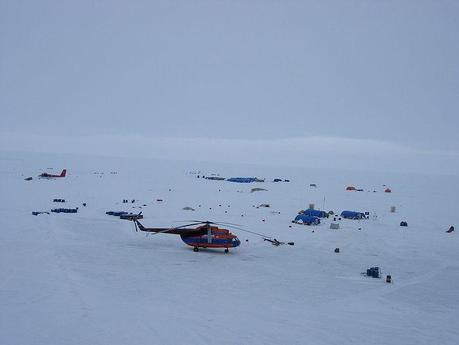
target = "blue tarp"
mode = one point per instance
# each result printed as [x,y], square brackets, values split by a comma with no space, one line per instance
[65,210]
[242,179]
[352,215]
[315,213]
[307,219]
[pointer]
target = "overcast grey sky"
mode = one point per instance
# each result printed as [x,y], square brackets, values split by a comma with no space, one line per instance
[383,71]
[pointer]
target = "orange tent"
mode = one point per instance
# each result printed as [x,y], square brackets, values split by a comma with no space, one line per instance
[387,190]
[350,188]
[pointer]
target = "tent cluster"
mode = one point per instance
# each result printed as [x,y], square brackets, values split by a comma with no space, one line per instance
[241,179]
[310,217]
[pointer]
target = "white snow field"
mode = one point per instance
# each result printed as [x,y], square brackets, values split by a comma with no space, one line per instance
[89,278]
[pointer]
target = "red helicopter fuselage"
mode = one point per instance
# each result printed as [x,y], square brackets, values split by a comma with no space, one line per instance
[204,236]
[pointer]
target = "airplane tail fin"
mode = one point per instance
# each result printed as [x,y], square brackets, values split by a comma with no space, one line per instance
[63,173]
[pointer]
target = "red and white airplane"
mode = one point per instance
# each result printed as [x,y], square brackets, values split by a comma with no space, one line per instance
[46,175]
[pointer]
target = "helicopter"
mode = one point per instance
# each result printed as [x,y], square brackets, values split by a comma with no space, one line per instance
[207,234]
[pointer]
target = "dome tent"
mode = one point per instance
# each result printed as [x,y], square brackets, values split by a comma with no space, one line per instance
[315,213]
[308,220]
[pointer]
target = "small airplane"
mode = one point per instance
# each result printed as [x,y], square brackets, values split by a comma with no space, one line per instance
[46,175]
[205,235]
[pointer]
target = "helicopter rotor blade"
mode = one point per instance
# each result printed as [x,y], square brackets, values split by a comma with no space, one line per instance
[225,223]
[200,221]
[167,230]
[252,232]
[184,226]
[228,226]
[176,228]
[210,222]
[159,232]
[235,226]
[238,227]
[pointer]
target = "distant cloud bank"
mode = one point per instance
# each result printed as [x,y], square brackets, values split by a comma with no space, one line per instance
[311,151]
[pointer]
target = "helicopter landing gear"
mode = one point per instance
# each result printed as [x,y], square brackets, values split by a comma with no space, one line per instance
[226,250]
[196,249]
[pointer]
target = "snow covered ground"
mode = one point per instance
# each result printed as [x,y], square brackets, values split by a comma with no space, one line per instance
[89,278]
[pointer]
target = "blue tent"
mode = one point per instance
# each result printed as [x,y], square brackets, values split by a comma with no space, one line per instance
[242,179]
[309,220]
[352,215]
[315,213]
[215,178]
